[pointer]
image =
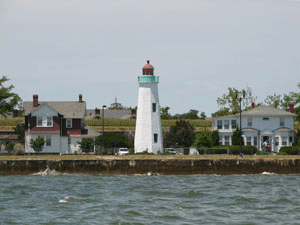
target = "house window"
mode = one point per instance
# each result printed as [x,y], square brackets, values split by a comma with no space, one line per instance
[219,124]
[49,121]
[48,140]
[281,122]
[153,107]
[155,138]
[40,121]
[69,123]
[44,121]
[226,124]
[227,140]
[233,124]
[284,141]
[255,141]
[266,118]
[248,139]
[249,120]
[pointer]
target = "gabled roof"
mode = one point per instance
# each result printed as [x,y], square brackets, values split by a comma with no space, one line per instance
[265,111]
[72,109]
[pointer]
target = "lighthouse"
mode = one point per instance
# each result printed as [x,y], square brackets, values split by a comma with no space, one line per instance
[148,131]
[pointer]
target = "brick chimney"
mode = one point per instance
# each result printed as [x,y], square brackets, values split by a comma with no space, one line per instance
[35,100]
[80,98]
[292,107]
[253,105]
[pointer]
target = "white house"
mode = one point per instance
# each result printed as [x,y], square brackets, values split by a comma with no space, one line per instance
[259,124]
[61,124]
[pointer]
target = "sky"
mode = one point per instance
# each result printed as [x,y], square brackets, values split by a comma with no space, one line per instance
[97,48]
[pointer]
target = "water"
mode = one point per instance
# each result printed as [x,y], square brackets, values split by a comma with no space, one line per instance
[165,199]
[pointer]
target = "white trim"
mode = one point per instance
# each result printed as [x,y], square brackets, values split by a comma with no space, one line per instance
[44,121]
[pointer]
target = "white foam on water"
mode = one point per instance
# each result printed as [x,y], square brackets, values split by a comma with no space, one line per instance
[62,201]
[268,173]
[47,172]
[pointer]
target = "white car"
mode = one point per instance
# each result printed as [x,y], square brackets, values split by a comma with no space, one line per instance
[123,151]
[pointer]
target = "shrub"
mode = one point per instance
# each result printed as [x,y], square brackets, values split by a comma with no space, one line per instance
[87,144]
[290,150]
[9,146]
[262,153]
[233,149]
[37,144]
[281,153]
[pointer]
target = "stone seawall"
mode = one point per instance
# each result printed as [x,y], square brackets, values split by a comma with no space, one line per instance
[142,166]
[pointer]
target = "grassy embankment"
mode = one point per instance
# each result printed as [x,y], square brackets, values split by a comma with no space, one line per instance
[154,157]
[112,124]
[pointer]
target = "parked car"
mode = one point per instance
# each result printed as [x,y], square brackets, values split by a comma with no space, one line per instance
[123,151]
[170,151]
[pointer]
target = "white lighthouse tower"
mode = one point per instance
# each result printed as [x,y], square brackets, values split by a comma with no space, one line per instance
[148,131]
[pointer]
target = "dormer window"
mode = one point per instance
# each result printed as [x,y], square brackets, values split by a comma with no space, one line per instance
[44,121]
[69,123]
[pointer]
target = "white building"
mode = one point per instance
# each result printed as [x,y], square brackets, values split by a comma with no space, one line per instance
[259,124]
[148,131]
[61,124]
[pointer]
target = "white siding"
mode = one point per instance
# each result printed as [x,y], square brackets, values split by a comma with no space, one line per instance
[148,123]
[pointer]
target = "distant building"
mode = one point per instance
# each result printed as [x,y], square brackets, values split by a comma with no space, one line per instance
[259,124]
[115,111]
[61,124]
[148,130]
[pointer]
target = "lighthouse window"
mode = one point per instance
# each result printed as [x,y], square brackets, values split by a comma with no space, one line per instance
[155,138]
[153,107]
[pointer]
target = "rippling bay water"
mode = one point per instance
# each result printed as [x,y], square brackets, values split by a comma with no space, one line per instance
[189,199]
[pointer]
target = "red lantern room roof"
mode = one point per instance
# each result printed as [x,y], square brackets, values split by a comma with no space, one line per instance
[148,65]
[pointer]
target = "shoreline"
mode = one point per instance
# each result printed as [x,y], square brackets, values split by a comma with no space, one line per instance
[151,166]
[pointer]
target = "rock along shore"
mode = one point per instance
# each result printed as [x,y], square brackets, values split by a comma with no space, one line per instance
[153,166]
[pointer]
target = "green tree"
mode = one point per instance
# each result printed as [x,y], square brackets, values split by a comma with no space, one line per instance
[20,131]
[164,113]
[207,139]
[236,137]
[113,140]
[297,137]
[215,138]
[273,100]
[8,100]
[9,146]
[231,100]
[38,144]
[202,116]
[203,139]
[87,144]
[192,114]
[182,134]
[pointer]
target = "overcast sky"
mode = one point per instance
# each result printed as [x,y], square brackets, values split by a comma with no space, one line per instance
[59,49]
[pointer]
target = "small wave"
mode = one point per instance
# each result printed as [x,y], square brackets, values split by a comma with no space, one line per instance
[268,173]
[64,200]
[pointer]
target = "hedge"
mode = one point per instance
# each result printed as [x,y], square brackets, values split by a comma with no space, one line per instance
[131,122]
[290,150]
[233,149]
